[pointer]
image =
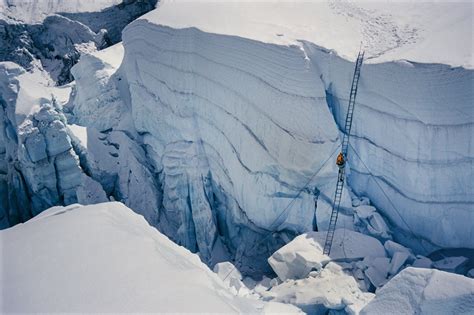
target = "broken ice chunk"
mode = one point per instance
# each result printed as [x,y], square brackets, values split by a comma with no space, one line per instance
[422,262]
[392,247]
[398,260]
[451,264]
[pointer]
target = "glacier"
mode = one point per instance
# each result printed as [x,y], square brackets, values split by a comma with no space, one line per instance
[260,110]
[221,127]
[219,123]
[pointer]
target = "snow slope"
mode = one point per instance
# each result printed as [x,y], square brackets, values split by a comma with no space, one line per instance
[439,32]
[240,89]
[105,258]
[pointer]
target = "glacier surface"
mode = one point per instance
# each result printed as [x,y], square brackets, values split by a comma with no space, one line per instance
[221,127]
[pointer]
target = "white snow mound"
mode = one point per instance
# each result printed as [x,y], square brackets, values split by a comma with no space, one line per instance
[105,258]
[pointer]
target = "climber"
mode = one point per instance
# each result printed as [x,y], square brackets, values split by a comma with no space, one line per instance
[340,162]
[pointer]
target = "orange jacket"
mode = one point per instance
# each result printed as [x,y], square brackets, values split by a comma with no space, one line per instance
[340,159]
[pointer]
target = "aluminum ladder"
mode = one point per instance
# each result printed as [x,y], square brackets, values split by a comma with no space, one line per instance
[345,145]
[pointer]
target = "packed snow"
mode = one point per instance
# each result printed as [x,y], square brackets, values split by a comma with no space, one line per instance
[438,32]
[105,258]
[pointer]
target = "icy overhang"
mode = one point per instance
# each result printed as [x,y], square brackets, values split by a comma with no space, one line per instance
[420,32]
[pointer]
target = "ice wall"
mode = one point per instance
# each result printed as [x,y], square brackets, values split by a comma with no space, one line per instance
[40,165]
[412,150]
[115,153]
[257,119]
[249,117]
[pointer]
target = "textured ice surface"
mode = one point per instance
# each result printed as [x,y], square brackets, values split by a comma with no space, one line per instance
[412,130]
[423,32]
[115,152]
[41,167]
[234,140]
[424,291]
[250,70]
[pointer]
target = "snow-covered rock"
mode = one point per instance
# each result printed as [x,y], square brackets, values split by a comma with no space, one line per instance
[105,258]
[331,289]
[305,253]
[55,45]
[34,11]
[424,291]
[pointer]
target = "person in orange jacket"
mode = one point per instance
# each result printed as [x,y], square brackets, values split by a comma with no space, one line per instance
[340,162]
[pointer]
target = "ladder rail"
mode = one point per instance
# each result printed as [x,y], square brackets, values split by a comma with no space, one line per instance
[345,144]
